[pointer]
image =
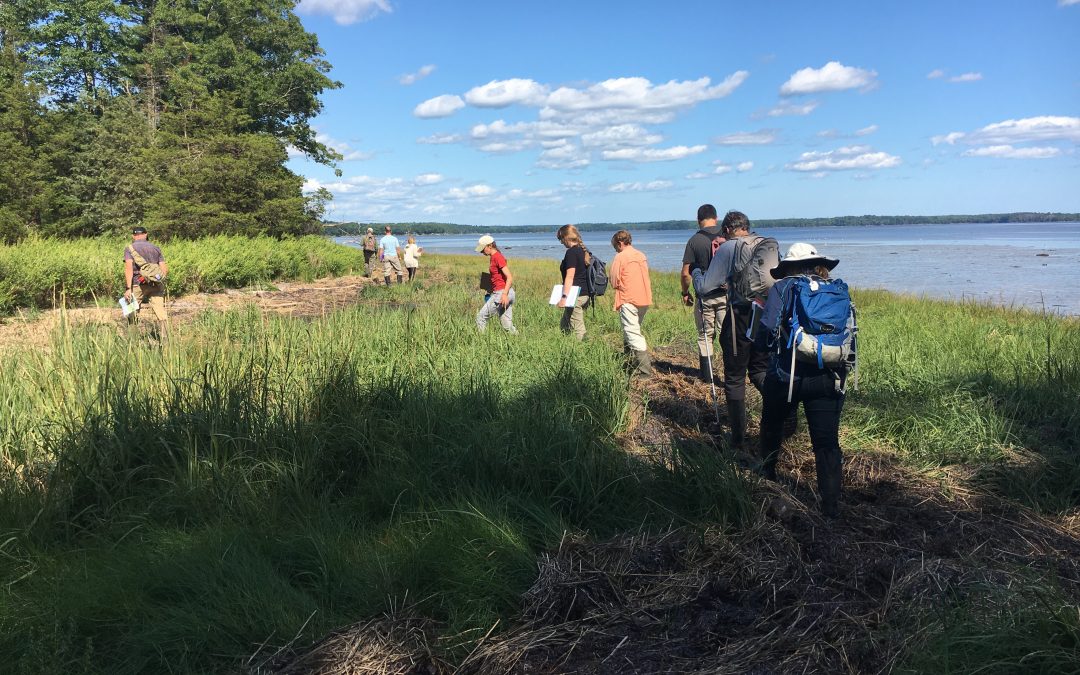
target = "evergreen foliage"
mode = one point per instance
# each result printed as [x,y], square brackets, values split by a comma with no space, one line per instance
[173,115]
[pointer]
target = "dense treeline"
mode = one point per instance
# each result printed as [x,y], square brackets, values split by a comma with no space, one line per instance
[348,229]
[176,115]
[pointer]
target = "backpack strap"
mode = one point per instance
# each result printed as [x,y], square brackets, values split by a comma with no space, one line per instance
[139,260]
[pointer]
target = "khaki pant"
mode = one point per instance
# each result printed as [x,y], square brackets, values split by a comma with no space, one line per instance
[152,294]
[391,263]
[709,315]
[631,317]
[573,318]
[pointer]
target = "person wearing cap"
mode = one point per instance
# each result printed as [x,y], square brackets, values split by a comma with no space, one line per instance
[814,386]
[633,297]
[389,254]
[370,245]
[709,312]
[739,357]
[141,290]
[500,302]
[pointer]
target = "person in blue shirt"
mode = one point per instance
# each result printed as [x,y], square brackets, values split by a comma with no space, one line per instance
[390,255]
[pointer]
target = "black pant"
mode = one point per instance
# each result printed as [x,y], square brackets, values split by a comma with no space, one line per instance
[740,359]
[822,403]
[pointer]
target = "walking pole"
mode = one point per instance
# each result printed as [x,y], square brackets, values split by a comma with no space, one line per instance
[708,360]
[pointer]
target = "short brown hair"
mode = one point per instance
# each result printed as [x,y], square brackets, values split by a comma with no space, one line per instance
[621,237]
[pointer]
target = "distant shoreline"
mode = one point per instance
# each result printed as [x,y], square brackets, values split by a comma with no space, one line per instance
[352,228]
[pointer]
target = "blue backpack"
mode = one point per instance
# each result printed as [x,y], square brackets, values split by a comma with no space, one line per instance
[596,278]
[816,326]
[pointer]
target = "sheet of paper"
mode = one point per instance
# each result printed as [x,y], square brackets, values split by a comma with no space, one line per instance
[556,295]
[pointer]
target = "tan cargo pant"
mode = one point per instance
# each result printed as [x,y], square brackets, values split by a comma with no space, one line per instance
[709,317]
[154,295]
[573,318]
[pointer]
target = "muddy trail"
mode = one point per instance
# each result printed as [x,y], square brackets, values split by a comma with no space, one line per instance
[789,593]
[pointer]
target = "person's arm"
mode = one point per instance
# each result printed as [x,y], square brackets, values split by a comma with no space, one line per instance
[164,269]
[566,284]
[505,269]
[380,251]
[686,280]
[129,272]
[616,274]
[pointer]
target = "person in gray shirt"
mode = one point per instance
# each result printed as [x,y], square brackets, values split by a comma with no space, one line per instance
[740,357]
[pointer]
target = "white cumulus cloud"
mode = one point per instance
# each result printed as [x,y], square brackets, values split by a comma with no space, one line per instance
[722,168]
[935,74]
[1046,128]
[440,106]
[833,76]
[786,108]
[428,179]
[651,186]
[412,78]
[440,139]
[696,175]
[479,190]
[620,135]
[744,166]
[966,77]
[1066,3]
[502,93]
[1009,152]
[843,159]
[345,12]
[652,154]
[639,93]
[761,137]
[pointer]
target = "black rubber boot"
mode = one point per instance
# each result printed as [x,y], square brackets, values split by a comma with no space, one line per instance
[644,364]
[736,411]
[830,477]
[791,422]
[387,279]
[770,452]
[705,368]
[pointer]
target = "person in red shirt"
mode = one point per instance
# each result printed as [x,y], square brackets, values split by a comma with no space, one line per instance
[633,296]
[500,302]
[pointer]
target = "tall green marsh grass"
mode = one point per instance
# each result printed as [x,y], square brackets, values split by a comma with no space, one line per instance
[40,273]
[260,478]
[184,504]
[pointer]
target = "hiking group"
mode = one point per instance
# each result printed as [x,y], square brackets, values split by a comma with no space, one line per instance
[785,326]
[782,324]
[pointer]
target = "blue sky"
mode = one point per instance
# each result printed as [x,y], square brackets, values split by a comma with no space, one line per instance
[551,112]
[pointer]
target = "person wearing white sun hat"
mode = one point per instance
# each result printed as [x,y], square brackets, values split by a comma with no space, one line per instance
[819,388]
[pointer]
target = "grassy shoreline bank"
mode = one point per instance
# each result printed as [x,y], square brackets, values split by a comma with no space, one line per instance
[268,477]
[46,273]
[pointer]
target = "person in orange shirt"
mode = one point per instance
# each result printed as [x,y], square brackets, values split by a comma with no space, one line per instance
[629,276]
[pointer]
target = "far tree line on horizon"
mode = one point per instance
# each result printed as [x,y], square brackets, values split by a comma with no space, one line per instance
[352,229]
[173,115]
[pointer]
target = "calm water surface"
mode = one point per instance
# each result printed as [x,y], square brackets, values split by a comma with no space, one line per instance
[1034,265]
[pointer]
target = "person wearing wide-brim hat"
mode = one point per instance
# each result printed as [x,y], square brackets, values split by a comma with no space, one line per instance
[818,388]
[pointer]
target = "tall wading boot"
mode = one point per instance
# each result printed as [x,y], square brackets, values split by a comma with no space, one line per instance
[830,477]
[644,364]
[705,368]
[770,451]
[791,422]
[737,418]
[387,279]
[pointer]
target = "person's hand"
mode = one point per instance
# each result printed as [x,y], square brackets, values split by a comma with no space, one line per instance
[505,300]
[127,295]
[688,299]
[562,302]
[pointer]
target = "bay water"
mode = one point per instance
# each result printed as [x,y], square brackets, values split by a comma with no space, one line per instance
[1032,265]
